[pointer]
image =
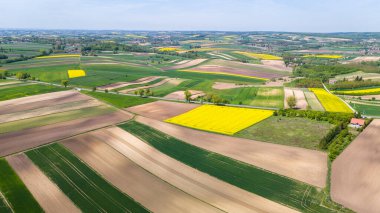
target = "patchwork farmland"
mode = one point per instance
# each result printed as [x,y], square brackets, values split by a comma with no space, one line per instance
[119,121]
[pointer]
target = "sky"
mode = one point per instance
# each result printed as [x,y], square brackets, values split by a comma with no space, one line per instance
[188,15]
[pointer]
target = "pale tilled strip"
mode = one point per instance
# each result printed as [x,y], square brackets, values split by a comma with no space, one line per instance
[47,194]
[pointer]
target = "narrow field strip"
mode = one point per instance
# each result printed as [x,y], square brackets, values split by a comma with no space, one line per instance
[131,178]
[15,192]
[313,101]
[48,110]
[224,73]
[28,90]
[200,185]
[54,118]
[83,186]
[263,183]
[44,191]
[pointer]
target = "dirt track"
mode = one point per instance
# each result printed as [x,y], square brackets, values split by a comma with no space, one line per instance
[305,165]
[200,185]
[147,189]
[47,194]
[162,110]
[180,95]
[355,177]
[26,139]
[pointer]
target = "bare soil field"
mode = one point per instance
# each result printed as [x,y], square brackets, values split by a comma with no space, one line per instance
[210,190]
[124,84]
[305,165]
[180,95]
[223,85]
[144,187]
[26,139]
[237,71]
[48,110]
[299,95]
[47,194]
[276,64]
[181,65]
[364,59]
[355,173]
[162,110]
[35,98]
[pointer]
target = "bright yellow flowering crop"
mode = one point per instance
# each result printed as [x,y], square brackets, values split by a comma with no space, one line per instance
[360,92]
[76,73]
[323,56]
[259,56]
[330,102]
[168,49]
[220,119]
[58,56]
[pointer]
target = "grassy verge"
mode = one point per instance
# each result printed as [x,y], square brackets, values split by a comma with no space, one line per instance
[300,132]
[54,118]
[34,89]
[119,101]
[274,187]
[15,192]
[82,185]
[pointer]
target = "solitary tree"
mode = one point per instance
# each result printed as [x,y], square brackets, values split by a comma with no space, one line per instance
[292,101]
[187,95]
[65,83]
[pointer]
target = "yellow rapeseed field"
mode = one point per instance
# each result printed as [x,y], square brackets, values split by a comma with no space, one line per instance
[76,73]
[259,55]
[220,119]
[359,91]
[168,49]
[225,73]
[59,56]
[330,102]
[323,56]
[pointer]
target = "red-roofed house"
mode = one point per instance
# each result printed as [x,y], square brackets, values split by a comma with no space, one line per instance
[356,122]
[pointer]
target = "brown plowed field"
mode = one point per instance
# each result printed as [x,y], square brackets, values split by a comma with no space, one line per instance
[162,110]
[355,176]
[147,189]
[305,165]
[237,71]
[200,185]
[26,139]
[48,110]
[180,95]
[47,194]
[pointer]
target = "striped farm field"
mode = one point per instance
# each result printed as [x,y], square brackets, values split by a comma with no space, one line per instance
[370,91]
[330,102]
[220,119]
[323,56]
[225,73]
[76,73]
[259,55]
[89,191]
[59,56]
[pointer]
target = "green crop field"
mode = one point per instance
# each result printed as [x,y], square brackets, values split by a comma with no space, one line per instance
[119,101]
[54,73]
[53,118]
[300,132]
[28,90]
[89,191]
[366,109]
[269,97]
[277,188]
[15,192]
[139,85]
